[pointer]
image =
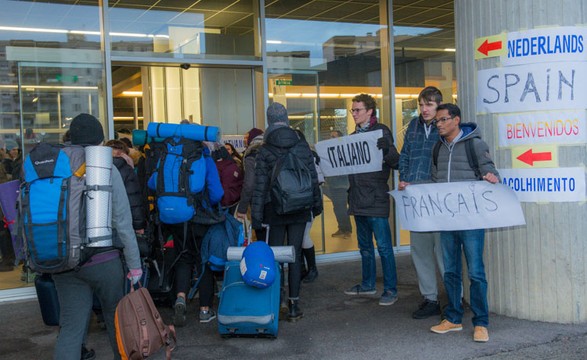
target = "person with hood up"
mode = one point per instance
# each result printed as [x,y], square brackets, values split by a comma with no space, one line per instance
[280,139]
[231,178]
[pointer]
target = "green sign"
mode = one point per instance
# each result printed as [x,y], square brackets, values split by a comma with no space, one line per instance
[283,82]
[66,78]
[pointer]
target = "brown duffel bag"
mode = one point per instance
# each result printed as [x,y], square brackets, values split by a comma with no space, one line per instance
[140,331]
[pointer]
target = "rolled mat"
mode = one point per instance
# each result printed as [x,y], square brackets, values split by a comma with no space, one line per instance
[140,138]
[8,197]
[188,131]
[283,254]
[99,197]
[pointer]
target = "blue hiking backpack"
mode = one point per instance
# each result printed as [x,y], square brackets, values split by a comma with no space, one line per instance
[52,207]
[217,240]
[180,177]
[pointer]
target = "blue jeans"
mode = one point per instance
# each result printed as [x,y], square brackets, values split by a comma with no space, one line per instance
[472,243]
[379,226]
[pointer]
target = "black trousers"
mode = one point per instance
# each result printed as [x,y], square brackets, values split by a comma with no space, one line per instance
[294,233]
[187,244]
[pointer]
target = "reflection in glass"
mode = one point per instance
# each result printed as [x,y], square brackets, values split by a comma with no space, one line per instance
[218,28]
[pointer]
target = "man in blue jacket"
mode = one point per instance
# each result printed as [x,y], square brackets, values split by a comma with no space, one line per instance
[453,165]
[415,166]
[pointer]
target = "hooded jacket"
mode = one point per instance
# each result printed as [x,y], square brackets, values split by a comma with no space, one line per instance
[453,165]
[231,178]
[278,141]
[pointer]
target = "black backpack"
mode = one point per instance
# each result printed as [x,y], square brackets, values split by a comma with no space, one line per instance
[471,156]
[291,186]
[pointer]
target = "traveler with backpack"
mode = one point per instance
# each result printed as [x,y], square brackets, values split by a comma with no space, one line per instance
[102,273]
[188,191]
[231,178]
[286,194]
[452,164]
[253,141]
[369,202]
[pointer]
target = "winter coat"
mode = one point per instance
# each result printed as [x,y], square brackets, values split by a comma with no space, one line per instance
[277,143]
[134,192]
[249,180]
[415,161]
[231,178]
[452,164]
[368,192]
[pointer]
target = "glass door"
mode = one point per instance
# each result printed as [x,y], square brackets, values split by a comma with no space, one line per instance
[319,112]
[208,96]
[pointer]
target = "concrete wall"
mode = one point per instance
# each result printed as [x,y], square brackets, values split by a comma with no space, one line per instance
[535,272]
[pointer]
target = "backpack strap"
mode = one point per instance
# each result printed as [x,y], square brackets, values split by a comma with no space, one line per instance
[435,152]
[471,156]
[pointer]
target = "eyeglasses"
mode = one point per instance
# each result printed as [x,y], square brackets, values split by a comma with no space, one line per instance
[443,119]
[356,110]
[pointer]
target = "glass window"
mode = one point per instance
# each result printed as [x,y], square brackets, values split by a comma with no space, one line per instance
[424,55]
[320,54]
[51,49]
[54,49]
[172,29]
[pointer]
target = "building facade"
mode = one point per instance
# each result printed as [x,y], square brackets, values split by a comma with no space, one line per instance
[219,63]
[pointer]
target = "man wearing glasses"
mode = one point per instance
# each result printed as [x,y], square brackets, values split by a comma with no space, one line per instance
[369,202]
[453,166]
[415,165]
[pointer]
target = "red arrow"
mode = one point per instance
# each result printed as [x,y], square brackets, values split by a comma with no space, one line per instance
[486,47]
[529,157]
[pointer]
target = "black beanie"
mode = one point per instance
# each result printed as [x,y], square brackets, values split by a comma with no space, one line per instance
[85,129]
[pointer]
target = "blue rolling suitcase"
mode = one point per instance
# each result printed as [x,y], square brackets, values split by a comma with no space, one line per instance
[245,310]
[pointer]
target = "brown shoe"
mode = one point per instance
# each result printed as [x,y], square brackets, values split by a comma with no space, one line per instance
[446,326]
[480,334]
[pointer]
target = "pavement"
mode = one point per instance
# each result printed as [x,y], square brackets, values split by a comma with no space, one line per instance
[335,326]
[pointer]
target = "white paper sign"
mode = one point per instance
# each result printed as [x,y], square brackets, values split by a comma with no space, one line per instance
[532,87]
[238,141]
[457,206]
[352,154]
[546,185]
[543,127]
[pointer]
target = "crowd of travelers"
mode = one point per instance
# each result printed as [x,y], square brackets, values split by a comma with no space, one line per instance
[239,184]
